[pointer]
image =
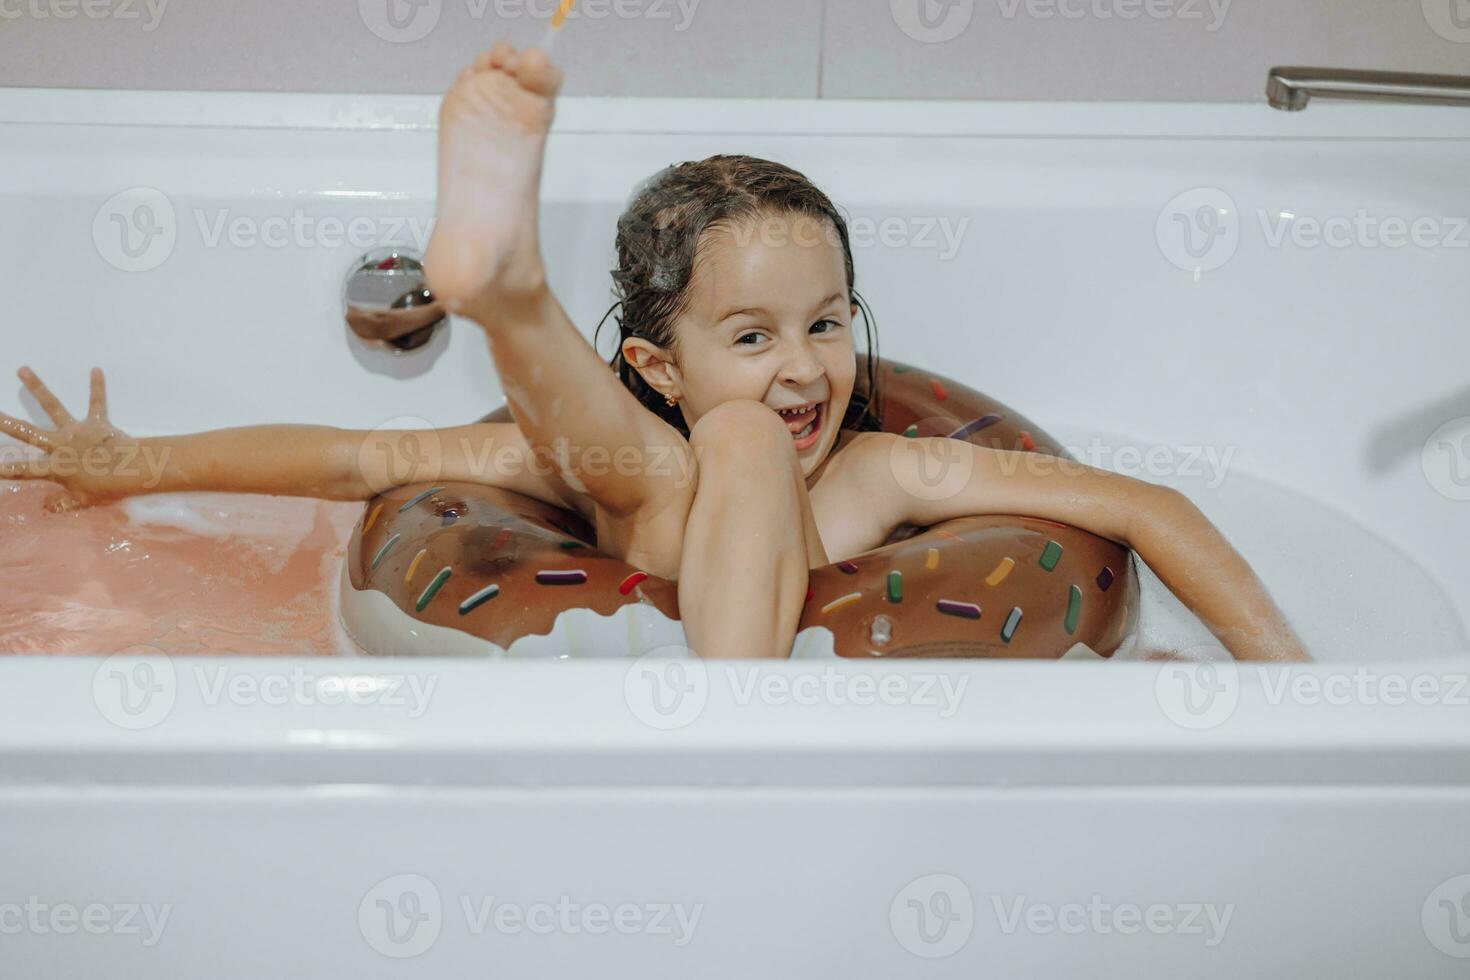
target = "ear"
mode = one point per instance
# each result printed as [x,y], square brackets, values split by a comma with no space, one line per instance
[854,311]
[654,365]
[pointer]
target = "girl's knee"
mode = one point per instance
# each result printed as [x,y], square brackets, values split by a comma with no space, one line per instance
[744,432]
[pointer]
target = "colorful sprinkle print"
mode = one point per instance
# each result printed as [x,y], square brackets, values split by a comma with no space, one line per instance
[383,551]
[998,575]
[1050,555]
[372,518]
[848,567]
[895,586]
[912,432]
[427,596]
[1074,609]
[840,602]
[970,428]
[570,577]
[478,599]
[627,584]
[420,499]
[1105,578]
[931,559]
[1012,621]
[413,566]
[966,610]
[1027,443]
[939,393]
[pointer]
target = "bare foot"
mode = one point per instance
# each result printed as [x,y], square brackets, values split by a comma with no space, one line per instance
[492,136]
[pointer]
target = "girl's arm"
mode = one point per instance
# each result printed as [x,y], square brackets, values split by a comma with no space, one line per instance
[936,479]
[96,462]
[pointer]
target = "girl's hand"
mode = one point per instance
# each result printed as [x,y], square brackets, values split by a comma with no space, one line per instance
[86,456]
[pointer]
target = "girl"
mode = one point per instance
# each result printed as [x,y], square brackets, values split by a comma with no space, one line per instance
[737,360]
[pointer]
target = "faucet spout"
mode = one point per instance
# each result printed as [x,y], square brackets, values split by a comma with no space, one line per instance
[1290,89]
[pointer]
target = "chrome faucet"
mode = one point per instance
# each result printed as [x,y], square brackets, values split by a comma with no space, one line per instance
[1290,89]
[386,300]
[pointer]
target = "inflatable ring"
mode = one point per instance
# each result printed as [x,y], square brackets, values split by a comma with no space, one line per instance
[467,569]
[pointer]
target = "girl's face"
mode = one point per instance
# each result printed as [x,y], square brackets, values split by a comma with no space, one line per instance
[769,319]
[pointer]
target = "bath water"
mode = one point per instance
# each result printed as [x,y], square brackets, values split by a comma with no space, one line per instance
[172,573]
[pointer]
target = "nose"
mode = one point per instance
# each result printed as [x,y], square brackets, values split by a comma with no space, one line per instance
[801,367]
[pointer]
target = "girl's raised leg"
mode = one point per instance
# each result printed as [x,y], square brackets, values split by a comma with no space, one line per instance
[484,262]
[750,538]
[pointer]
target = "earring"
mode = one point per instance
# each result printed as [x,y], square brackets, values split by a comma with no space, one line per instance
[671,400]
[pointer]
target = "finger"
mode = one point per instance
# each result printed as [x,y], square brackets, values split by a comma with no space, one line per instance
[49,402]
[25,432]
[97,406]
[26,469]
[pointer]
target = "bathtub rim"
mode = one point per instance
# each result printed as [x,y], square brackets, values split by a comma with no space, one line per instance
[806,117]
[543,724]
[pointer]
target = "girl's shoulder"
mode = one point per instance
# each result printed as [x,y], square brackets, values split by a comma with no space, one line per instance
[855,451]
[859,443]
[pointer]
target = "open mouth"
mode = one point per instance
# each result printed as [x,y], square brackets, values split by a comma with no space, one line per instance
[805,425]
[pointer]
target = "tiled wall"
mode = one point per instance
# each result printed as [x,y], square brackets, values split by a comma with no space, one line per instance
[1210,50]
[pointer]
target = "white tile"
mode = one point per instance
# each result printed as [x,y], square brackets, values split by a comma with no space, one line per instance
[749,48]
[1012,49]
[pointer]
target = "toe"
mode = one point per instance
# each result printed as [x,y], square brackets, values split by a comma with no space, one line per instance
[534,70]
[500,54]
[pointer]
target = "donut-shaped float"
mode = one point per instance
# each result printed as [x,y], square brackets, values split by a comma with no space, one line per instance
[458,568]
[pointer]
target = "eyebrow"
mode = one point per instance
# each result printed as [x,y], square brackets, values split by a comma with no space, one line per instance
[756,310]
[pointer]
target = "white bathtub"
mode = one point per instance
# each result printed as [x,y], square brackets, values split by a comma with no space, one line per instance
[1049,819]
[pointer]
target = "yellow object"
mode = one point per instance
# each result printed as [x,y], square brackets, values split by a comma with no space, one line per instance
[413,566]
[837,603]
[1001,571]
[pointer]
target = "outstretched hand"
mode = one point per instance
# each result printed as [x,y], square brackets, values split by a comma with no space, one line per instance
[82,455]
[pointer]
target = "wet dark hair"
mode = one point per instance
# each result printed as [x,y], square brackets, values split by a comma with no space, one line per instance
[659,237]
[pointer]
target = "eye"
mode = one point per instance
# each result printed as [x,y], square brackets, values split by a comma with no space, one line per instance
[741,339]
[831,325]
